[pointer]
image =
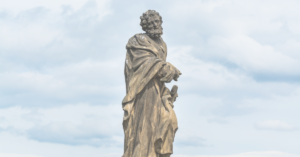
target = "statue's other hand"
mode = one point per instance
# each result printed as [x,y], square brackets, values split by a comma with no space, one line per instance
[169,73]
[177,74]
[168,77]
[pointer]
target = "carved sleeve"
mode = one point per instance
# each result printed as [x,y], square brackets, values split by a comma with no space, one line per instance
[168,73]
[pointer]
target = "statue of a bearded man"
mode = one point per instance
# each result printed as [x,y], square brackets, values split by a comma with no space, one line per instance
[149,120]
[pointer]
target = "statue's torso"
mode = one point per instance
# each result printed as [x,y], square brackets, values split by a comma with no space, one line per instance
[160,46]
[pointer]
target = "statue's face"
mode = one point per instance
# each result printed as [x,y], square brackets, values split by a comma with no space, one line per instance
[154,22]
[154,28]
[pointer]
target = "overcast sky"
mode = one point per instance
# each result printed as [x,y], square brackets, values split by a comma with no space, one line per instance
[62,79]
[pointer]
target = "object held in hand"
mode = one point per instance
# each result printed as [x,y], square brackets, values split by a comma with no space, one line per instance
[174,94]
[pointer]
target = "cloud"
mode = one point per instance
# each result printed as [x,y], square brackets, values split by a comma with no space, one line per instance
[275,125]
[248,154]
[74,83]
[88,133]
[55,5]
[40,47]
[247,41]
[37,37]
[252,56]
[192,141]
[80,124]
[212,78]
[217,120]
[17,155]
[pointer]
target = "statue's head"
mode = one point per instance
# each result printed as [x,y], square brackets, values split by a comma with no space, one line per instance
[151,23]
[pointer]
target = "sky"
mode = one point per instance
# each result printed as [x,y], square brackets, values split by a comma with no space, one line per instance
[62,79]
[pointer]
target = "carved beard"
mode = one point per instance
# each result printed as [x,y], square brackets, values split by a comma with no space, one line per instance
[155,32]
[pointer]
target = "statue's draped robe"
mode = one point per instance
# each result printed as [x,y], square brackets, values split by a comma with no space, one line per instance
[149,122]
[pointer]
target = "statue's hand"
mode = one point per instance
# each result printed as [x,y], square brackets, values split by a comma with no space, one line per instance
[177,74]
[168,77]
[169,73]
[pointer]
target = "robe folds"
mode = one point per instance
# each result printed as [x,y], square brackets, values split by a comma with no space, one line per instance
[149,121]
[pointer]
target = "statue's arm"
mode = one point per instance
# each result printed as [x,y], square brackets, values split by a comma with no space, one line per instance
[168,73]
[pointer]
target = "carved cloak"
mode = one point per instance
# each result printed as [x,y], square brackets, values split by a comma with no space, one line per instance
[149,121]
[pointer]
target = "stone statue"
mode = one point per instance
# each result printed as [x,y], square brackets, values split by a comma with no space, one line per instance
[149,121]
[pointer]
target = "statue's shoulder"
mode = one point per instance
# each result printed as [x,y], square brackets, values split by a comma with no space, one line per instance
[163,42]
[139,38]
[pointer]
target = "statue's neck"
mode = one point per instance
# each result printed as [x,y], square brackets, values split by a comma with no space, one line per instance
[156,40]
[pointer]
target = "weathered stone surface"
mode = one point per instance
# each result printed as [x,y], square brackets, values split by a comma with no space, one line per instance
[149,121]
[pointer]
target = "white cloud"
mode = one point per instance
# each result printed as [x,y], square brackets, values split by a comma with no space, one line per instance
[17,155]
[275,125]
[17,6]
[34,28]
[252,56]
[27,36]
[80,124]
[190,141]
[12,118]
[291,47]
[244,33]
[70,82]
[214,78]
[239,16]
[248,154]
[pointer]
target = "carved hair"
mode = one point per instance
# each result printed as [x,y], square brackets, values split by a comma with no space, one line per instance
[144,18]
